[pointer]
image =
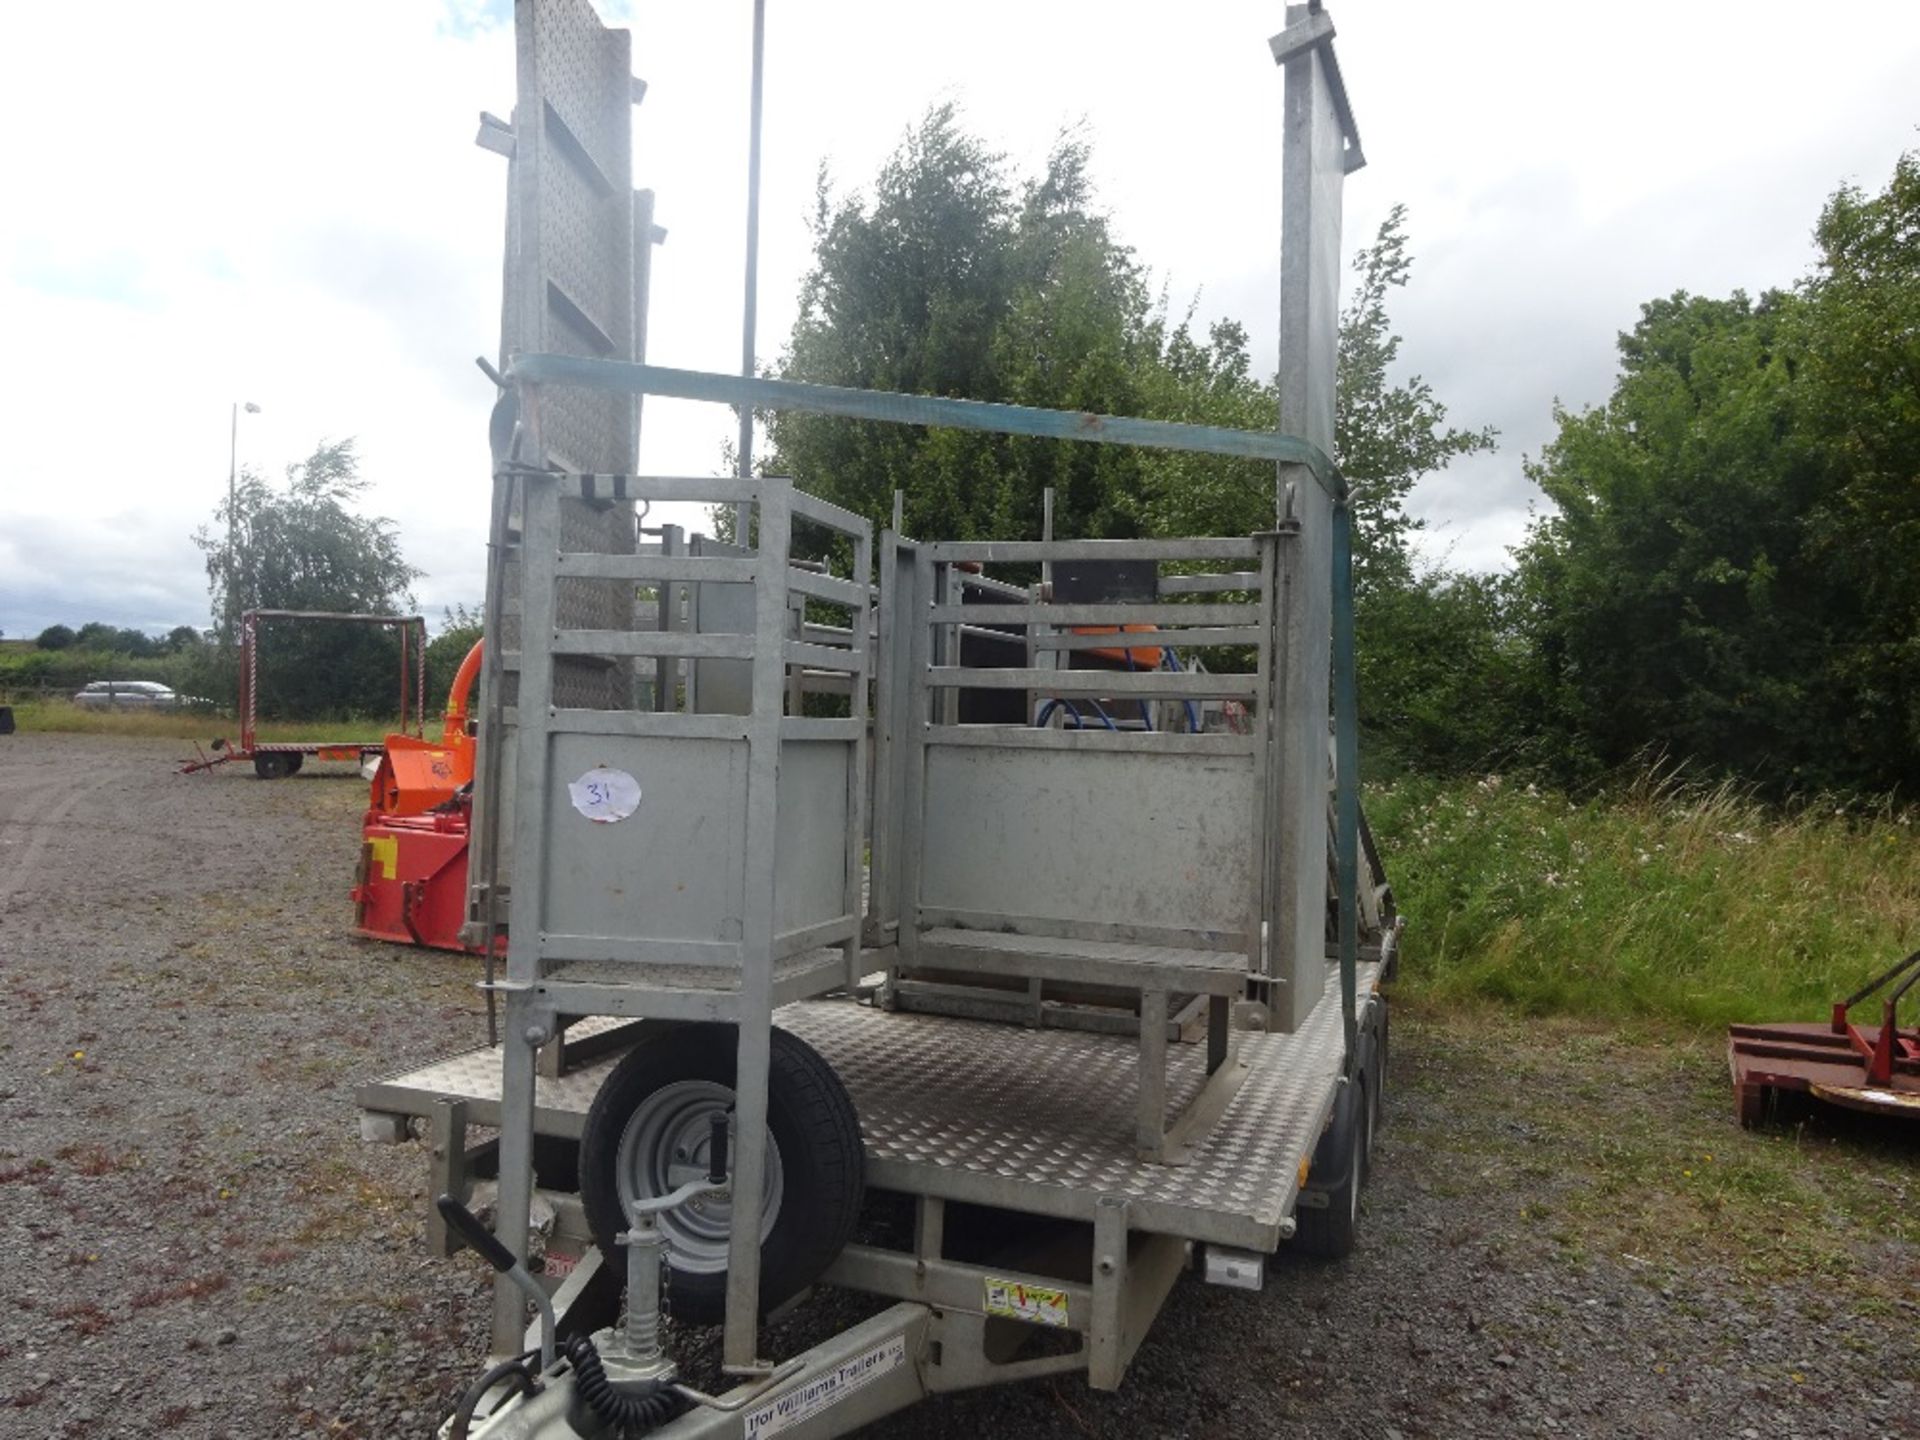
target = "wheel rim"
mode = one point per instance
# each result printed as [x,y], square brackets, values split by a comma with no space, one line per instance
[665,1144]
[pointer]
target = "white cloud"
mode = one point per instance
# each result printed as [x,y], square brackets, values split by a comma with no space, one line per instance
[239,201]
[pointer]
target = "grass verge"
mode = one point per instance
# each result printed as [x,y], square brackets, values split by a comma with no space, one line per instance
[60,715]
[1684,904]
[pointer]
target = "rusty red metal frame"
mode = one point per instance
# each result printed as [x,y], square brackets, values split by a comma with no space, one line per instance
[413,688]
[1868,1068]
[1889,1046]
[412,691]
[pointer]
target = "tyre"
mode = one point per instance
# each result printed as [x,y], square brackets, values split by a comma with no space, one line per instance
[1373,1066]
[1328,1232]
[649,1131]
[294,762]
[274,764]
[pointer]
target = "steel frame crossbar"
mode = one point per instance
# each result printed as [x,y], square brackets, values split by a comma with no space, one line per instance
[938,410]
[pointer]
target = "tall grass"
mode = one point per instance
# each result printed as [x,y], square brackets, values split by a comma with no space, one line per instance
[1668,900]
[62,715]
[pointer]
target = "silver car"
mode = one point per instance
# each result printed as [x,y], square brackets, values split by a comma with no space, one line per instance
[127,695]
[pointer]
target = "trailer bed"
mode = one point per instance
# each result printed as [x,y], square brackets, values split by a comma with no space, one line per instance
[325,749]
[1040,1121]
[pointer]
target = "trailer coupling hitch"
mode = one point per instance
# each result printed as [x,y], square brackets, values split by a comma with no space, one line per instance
[619,1407]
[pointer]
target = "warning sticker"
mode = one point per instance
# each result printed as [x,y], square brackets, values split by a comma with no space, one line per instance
[824,1390]
[383,852]
[1039,1304]
[604,795]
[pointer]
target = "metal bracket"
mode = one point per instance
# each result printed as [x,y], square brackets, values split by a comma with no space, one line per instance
[1315,31]
[495,135]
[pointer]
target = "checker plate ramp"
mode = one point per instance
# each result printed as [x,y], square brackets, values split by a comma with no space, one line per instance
[1034,1120]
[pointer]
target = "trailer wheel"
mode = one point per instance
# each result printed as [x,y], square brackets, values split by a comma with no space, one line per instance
[1373,1065]
[274,764]
[648,1131]
[1328,1232]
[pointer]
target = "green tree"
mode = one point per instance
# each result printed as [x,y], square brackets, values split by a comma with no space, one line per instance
[1446,677]
[55,637]
[1388,434]
[1732,571]
[460,628]
[956,278]
[1857,413]
[303,545]
[1659,614]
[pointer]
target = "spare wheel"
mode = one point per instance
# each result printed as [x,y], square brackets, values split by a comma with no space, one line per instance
[649,1131]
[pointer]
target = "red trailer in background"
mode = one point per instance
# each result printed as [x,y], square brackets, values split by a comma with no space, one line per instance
[276,759]
[1872,1068]
[412,883]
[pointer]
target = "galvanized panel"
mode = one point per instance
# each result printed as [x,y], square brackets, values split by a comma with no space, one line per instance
[1085,835]
[810,855]
[672,869]
[722,687]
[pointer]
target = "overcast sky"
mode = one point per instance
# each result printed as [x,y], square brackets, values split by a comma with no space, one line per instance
[260,202]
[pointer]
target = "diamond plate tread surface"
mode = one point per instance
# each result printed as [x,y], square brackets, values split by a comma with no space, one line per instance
[1045,1116]
[1056,1109]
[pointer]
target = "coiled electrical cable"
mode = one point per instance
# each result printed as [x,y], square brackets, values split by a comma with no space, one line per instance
[630,1412]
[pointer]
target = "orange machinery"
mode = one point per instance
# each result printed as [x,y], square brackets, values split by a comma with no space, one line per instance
[412,882]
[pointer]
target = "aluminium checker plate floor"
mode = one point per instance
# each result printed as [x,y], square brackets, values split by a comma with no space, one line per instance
[1040,1121]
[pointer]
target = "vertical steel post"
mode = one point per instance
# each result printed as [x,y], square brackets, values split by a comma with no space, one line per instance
[526,1027]
[1106,1331]
[741,1339]
[910,835]
[858,707]
[1313,166]
[1346,767]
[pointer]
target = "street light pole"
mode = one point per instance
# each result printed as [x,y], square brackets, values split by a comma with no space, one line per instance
[233,518]
[744,456]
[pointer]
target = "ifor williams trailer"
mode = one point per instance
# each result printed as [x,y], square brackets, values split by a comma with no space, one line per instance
[762,867]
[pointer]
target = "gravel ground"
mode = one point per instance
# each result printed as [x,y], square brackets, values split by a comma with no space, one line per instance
[1566,1233]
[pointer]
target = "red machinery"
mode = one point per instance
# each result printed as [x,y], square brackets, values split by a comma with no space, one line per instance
[1862,1068]
[412,882]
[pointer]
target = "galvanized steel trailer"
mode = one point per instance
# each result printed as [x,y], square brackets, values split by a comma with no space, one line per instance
[677,841]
